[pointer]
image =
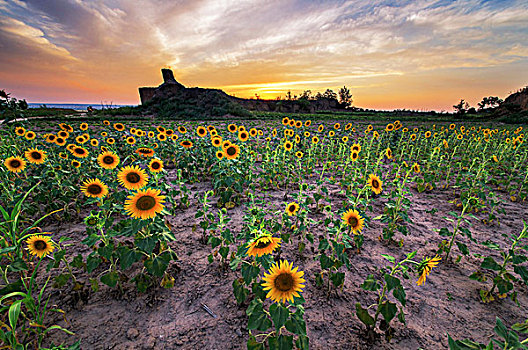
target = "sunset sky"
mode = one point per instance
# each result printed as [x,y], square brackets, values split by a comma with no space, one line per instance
[399,54]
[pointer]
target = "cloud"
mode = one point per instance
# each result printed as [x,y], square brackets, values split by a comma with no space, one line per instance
[109,47]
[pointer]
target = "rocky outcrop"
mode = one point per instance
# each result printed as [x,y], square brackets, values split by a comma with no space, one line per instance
[515,103]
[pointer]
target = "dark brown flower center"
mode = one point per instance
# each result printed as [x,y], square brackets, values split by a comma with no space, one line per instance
[146,203]
[352,221]
[375,183]
[263,243]
[133,178]
[15,163]
[108,160]
[36,155]
[291,209]
[94,189]
[40,245]
[156,165]
[231,151]
[284,282]
[78,150]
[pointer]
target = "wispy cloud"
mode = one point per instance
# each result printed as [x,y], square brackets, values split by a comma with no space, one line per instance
[410,54]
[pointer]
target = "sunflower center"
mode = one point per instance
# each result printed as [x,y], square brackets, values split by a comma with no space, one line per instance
[94,189]
[284,282]
[40,245]
[133,178]
[375,183]
[155,165]
[15,163]
[146,203]
[79,150]
[352,221]
[231,151]
[36,155]
[291,208]
[263,243]
[108,160]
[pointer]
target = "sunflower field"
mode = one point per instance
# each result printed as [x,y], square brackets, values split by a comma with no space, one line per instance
[263,234]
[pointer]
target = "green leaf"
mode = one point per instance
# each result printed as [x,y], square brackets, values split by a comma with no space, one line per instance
[240,291]
[388,310]
[296,324]
[303,342]
[370,284]
[14,313]
[92,262]
[326,262]
[259,320]
[500,328]
[282,342]
[252,344]
[147,244]
[463,248]
[399,294]
[61,280]
[337,278]
[127,257]
[110,279]
[521,271]
[279,315]
[249,272]
[159,264]
[364,316]
[490,264]
[392,282]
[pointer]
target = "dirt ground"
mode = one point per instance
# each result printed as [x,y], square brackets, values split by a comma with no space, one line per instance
[175,319]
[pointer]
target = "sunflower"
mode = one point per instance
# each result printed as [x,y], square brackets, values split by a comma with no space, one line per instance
[156,165]
[344,139]
[416,168]
[320,128]
[219,154]
[253,132]
[93,142]
[63,134]
[405,129]
[160,129]
[308,123]
[110,141]
[353,220]
[315,140]
[79,152]
[83,126]
[133,131]
[427,134]
[225,144]
[413,137]
[283,282]
[375,134]
[30,135]
[298,124]
[354,156]
[144,204]
[348,126]
[292,208]
[292,122]
[274,132]
[36,156]
[213,133]
[51,138]
[20,131]
[132,177]
[264,244]
[182,129]
[299,154]
[243,136]
[39,245]
[106,122]
[15,164]
[425,267]
[94,188]
[174,137]
[355,148]
[370,127]
[80,139]
[201,131]
[288,146]
[186,144]
[375,184]
[211,128]
[451,126]
[76,163]
[119,127]
[232,128]
[216,141]
[389,127]
[151,134]
[66,127]
[232,151]
[388,153]
[145,151]
[108,160]
[331,133]
[131,140]
[337,126]
[306,134]
[285,121]
[241,128]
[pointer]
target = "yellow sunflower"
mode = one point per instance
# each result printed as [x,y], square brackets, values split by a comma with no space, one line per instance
[299,154]
[15,164]
[285,121]
[288,146]
[30,135]
[93,142]
[216,141]
[83,126]
[308,123]
[108,160]
[40,245]
[283,282]
[375,184]
[110,141]
[264,244]
[144,204]
[201,131]
[416,168]
[253,132]
[132,177]
[20,131]
[243,136]
[232,151]
[354,156]
[355,148]
[337,126]
[51,138]
[425,268]
[232,128]
[219,154]
[388,153]
[315,140]
[79,152]
[75,163]
[355,221]
[389,127]
[119,127]
[292,208]
[156,165]
[94,188]
[186,144]
[181,129]
[35,156]
[145,151]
